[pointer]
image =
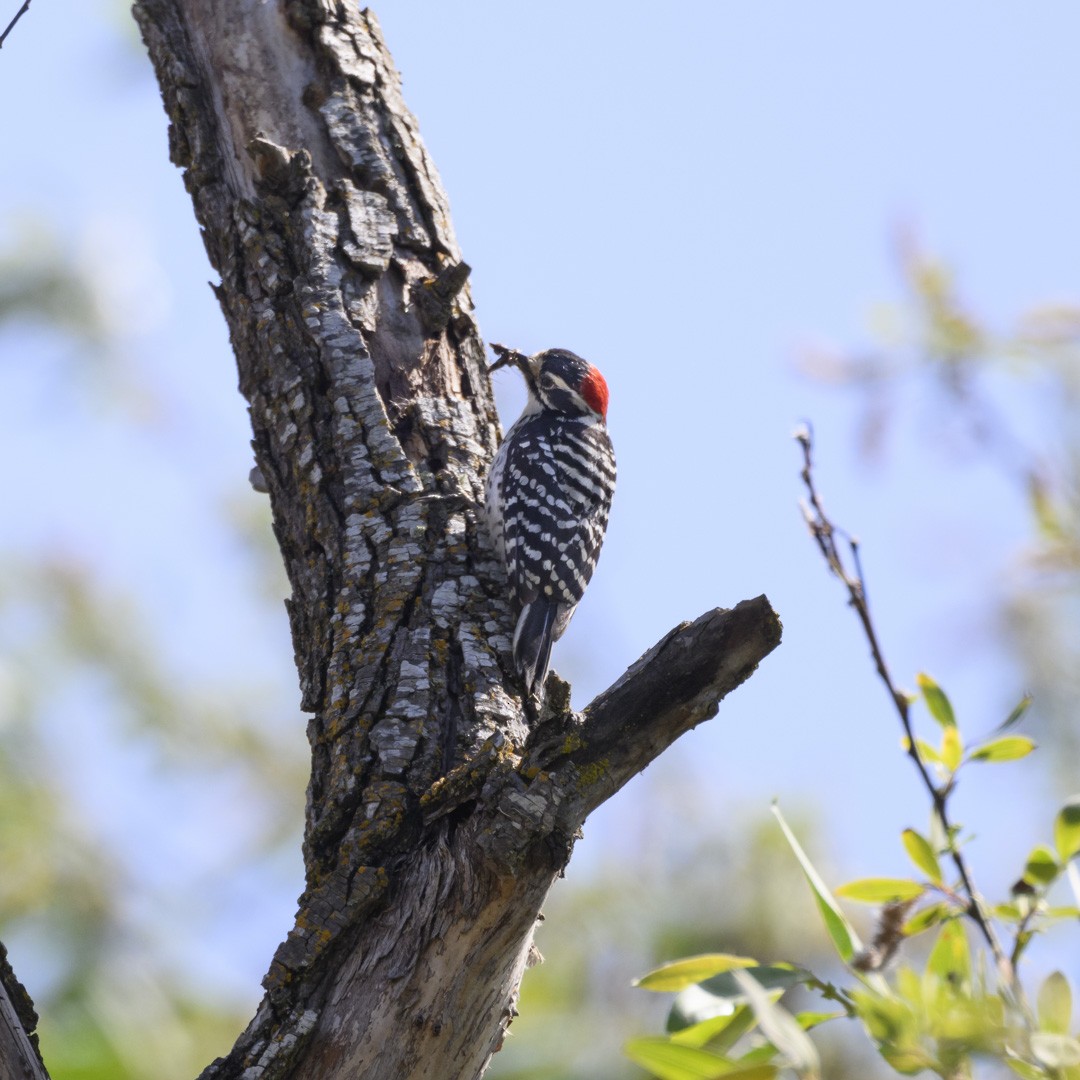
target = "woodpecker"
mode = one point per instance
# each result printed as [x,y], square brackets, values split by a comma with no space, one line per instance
[548,496]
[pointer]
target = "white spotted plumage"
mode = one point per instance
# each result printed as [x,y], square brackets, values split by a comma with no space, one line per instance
[549,493]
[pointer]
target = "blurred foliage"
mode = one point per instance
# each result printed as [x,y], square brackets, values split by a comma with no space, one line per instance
[963,1007]
[1009,398]
[674,895]
[39,284]
[80,904]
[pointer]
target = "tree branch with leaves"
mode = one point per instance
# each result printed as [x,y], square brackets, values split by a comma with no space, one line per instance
[726,1017]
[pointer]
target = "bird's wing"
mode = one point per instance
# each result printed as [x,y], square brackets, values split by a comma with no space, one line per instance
[560,481]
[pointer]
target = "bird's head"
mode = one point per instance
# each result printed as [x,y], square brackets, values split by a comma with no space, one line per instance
[559,380]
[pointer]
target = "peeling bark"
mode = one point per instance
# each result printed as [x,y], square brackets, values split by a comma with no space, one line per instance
[439,811]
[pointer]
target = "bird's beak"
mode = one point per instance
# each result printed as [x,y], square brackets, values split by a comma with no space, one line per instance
[507,357]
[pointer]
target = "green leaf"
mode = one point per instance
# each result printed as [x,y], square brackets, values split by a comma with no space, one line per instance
[719,995]
[1016,714]
[1055,914]
[926,917]
[880,890]
[1055,1051]
[753,1072]
[692,969]
[926,751]
[952,748]
[844,939]
[720,1033]
[671,1061]
[781,1029]
[1022,1068]
[1067,829]
[808,1020]
[950,958]
[771,976]
[1007,748]
[888,1020]
[759,1055]
[1055,1004]
[936,701]
[701,1033]
[922,854]
[1008,912]
[907,1060]
[1042,867]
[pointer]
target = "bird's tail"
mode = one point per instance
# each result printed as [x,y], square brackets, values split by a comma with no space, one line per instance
[532,642]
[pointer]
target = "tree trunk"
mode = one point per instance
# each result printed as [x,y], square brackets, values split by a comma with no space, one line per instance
[439,810]
[19,1057]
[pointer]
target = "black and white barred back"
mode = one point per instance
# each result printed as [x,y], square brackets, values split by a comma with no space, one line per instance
[548,496]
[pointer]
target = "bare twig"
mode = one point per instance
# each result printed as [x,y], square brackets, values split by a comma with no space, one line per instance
[825,534]
[11,25]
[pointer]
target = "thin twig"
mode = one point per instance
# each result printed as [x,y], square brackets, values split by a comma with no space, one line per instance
[1023,933]
[825,534]
[11,25]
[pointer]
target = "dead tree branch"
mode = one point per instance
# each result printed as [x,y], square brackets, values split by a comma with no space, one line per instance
[11,25]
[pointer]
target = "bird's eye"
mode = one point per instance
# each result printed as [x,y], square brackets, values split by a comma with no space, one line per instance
[547,381]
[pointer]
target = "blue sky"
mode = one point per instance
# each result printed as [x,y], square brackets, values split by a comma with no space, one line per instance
[691,199]
[687,199]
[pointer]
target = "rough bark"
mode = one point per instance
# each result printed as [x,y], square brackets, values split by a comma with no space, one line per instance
[19,1056]
[439,811]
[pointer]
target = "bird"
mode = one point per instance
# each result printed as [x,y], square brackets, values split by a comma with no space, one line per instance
[548,496]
